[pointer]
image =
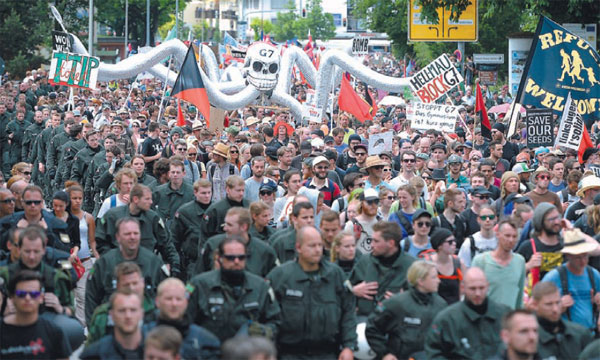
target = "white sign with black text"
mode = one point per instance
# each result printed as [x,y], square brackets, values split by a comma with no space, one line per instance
[570,132]
[379,143]
[360,45]
[435,79]
[432,116]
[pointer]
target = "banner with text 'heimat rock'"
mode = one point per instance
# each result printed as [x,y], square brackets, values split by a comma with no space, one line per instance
[73,70]
[435,79]
[432,116]
[570,132]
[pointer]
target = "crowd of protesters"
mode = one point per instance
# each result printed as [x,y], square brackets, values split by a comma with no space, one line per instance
[125,233]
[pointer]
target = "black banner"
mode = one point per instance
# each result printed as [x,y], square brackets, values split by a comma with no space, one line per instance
[540,128]
[62,41]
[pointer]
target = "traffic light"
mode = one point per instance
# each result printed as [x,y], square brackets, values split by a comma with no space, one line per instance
[303,13]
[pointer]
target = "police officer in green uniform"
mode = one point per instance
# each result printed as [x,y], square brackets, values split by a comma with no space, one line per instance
[261,258]
[169,197]
[66,153]
[154,235]
[16,129]
[230,300]
[215,214]
[101,282]
[558,338]
[382,273]
[186,228]
[128,276]
[399,325]
[42,143]
[89,188]
[53,154]
[69,151]
[58,298]
[317,306]
[284,243]
[469,329]
[84,156]
[29,136]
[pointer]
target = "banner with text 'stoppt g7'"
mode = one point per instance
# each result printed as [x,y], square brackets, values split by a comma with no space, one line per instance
[560,62]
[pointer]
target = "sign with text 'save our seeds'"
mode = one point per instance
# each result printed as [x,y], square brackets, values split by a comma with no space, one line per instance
[540,128]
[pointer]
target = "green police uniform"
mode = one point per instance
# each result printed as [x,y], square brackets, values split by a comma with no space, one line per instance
[569,342]
[153,234]
[43,143]
[102,323]
[263,235]
[147,180]
[399,325]
[390,278]
[460,332]
[186,233]
[224,310]
[29,137]
[69,151]
[261,257]
[54,281]
[16,128]
[214,217]
[317,311]
[591,351]
[53,152]
[81,161]
[101,282]
[168,201]
[89,187]
[284,244]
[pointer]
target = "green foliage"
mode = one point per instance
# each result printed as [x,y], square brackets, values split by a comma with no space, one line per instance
[18,65]
[290,25]
[258,24]
[429,9]
[202,31]
[164,29]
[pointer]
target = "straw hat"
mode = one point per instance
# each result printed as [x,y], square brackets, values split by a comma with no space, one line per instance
[221,150]
[252,120]
[575,244]
[588,182]
[196,125]
[374,161]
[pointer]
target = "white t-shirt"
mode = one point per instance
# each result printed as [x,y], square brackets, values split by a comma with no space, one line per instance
[106,205]
[363,243]
[482,244]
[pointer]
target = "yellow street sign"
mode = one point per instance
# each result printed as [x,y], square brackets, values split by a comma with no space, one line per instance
[465,29]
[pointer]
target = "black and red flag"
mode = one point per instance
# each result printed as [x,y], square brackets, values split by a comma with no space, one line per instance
[190,87]
[486,128]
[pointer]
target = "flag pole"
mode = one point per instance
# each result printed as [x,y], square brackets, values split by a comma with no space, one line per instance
[164,89]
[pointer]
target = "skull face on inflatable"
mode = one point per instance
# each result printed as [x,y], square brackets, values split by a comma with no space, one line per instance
[262,66]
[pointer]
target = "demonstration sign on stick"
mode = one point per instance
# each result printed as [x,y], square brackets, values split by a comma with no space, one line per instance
[435,79]
[311,114]
[61,41]
[540,128]
[432,116]
[73,70]
[379,143]
[570,132]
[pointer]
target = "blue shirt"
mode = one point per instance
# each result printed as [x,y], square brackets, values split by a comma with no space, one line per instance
[556,188]
[413,250]
[340,148]
[394,217]
[580,288]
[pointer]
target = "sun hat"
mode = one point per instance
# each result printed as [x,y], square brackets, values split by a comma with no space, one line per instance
[221,150]
[588,182]
[575,244]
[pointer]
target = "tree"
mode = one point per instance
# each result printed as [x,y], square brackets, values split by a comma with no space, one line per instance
[289,25]
[258,25]
[285,23]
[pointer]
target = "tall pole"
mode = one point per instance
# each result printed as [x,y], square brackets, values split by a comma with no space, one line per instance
[126,27]
[177,19]
[91,27]
[147,22]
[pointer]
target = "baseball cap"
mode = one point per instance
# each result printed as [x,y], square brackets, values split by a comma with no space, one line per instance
[521,168]
[319,159]
[455,159]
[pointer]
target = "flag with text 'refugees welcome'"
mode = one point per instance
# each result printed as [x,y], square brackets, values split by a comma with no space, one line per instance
[560,62]
[190,87]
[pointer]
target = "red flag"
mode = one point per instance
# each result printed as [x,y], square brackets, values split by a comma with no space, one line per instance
[586,142]
[190,87]
[180,118]
[351,102]
[486,128]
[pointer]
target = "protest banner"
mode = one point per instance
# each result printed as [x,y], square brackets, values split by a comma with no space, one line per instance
[595,169]
[570,132]
[310,113]
[217,119]
[73,70]
[540,128]
[435,79]
[432,116]
[61,41]
[360,45]
[379,143]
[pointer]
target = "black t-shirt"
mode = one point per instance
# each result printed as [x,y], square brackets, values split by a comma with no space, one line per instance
[551,255]
[41,340]
[151,147]
[471,224]
[575,211]
[495,192]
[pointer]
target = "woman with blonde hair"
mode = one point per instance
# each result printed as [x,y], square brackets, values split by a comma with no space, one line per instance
[262,214]
[23,169]
[407,201]
[388,331]
[343,251]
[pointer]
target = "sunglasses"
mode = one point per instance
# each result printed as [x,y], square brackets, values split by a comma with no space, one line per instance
[483,197]
[234,152]
[372,202]
[9,200]
[240,257]
[33,202]
[487,217]
[390,197]
[475,158]
[451,241]
[22,294]
[26,173]
[181,149]
[321,167]
[164,131]
[263,193]
[544,177]
[387,170]
[192,154]
[137,126]
[408,160]
[361,154]
[426,178]
[423,224]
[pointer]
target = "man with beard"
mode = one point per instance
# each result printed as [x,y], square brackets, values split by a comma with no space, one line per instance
[540,193]
[321,182]
[126,341]
[454,204]
[84,156]
[468,329]
[381,274]
[318,309]
[496,156]
[172,302]
[348,157]
[362,225]
[361,152]
[252,184]
[520,333]
[509,149]
[558,338]
[229,300]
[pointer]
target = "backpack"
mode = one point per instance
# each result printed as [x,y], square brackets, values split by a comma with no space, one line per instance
[562,272]
[213,168]
[423,254]
[472,246]
[341,204]
[405,223]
